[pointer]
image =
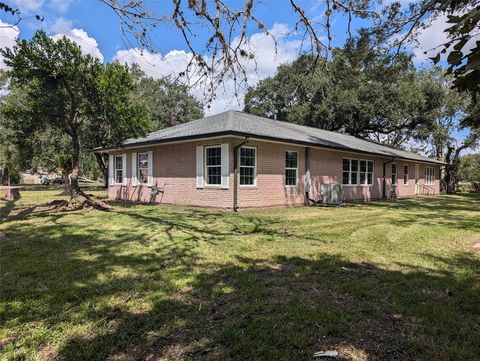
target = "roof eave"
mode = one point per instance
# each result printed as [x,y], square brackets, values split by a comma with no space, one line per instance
[256,136]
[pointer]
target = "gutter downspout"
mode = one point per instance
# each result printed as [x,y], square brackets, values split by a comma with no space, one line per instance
[235,174]
[384,180]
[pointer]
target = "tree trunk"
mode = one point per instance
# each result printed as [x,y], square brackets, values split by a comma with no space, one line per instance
[78,198]
[66,183]
[75,171]
[102,164]
[452,158]
[449,171]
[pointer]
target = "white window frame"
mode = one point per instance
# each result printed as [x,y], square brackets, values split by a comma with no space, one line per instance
[115,169]
[254,167]
[138,167]
[290,168]
[396,174]
[366,184]
[406,179]
[205,166]
[429,178]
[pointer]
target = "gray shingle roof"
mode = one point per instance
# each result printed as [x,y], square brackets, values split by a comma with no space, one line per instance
[239,123]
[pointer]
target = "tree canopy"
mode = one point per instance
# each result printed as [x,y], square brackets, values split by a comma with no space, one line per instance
[167,102]
[359,92]
[74,95]
[469,168]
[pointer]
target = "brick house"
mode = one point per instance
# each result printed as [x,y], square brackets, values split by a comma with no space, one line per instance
[234,159]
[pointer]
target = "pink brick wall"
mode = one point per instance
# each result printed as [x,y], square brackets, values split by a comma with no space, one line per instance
[174,171]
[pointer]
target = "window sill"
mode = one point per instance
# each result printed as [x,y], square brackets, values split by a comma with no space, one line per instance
[248,186]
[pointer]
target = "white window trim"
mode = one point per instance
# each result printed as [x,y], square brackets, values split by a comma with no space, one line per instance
[138,168]
[358,173]
[115,169]
[432,176]
[290,168]
[254,168]
[396,174]
[407,174]
[205,167]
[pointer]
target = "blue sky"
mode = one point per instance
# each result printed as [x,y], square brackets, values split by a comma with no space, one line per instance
[96,28]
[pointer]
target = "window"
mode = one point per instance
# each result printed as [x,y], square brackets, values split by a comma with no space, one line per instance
[363,171]
[356,171]
[369,172]
[429,175]
[394,173]
[213,165]
[248,165]
[143,168]
[346,171]
[291,165]
[119,169]
[405,174]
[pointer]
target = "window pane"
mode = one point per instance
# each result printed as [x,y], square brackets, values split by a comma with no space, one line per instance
[214,156]
[363,177]
[363,166]
[370,178]
[118,162]
[118,169]
[354,178]
[247,176]
[370,166]
[214,175]
[345,177]
[143,175]
[290,177]
[354,165]
[291,159]
[346,165]
[143,160]
[247,157]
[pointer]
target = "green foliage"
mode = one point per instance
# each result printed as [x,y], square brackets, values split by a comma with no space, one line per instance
[359,92]
[70,101]
[469,168]
[167,102]
[463,60]
[383,280]
[114,111]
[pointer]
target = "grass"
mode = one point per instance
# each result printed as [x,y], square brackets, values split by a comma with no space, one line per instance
[385,280]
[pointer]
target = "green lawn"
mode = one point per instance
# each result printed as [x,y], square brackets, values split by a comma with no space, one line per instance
[385,280]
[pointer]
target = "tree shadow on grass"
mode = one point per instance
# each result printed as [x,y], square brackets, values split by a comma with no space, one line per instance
[6,210]
[291,307]
[146,299]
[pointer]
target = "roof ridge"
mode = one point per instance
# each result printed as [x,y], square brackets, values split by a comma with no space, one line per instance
[307,128]
[159,131]
[237,122]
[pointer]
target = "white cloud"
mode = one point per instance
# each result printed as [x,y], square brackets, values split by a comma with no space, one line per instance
[60,6]
[61,26]
[88,44]
[264,65]
[8,34]
[28,6]
[430,38]
[155,65]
